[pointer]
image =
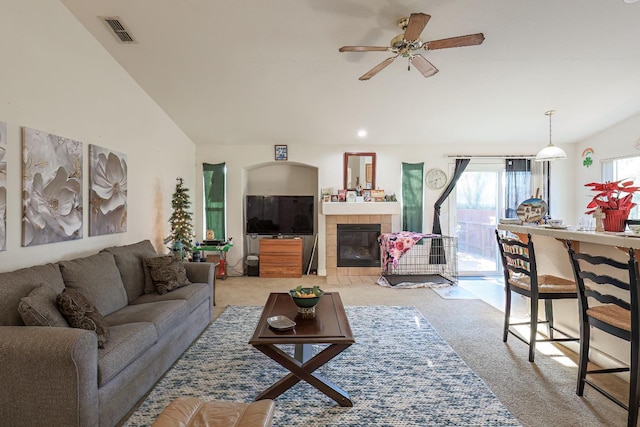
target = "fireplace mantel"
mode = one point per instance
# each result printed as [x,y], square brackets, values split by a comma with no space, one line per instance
[360,208]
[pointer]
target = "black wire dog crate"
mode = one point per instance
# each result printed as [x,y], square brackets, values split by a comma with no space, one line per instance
[432,260]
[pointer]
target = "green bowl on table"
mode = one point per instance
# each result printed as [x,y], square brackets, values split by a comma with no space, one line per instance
[306,297]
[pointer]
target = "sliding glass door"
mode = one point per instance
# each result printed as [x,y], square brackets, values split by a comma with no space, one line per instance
[476,206]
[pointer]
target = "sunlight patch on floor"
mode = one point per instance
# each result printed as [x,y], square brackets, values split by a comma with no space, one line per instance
[546,348]
[491,290]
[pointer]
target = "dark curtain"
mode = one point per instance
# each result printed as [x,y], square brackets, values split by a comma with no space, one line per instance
[214,198]
[518,185]
[412,196]
[437,254]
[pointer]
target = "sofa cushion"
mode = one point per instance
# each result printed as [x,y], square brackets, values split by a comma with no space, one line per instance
[39,308]
[194,294]
[17,284]
[98,278]
[130,261]
[167,272]
[165,315]
[80,313]
[45,273]
[126,343]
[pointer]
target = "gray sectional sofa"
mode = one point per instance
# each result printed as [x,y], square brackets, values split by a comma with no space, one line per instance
[57,375]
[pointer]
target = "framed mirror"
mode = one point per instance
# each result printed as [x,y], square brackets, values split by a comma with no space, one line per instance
[359,170]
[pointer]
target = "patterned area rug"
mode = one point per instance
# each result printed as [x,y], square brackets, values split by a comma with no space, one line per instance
[400,372]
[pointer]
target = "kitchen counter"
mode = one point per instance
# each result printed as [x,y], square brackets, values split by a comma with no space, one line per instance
[626,240]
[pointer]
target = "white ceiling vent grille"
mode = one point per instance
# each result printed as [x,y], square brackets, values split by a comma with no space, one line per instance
[118,29]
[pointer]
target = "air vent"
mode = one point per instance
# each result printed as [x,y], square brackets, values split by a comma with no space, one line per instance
[118,29]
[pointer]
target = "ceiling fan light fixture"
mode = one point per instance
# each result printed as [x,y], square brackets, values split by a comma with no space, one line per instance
[550,152]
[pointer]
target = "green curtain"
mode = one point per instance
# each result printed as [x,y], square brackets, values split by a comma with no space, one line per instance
[214,198]
[412,196]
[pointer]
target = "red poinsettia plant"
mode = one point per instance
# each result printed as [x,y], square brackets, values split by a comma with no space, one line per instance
[617,195]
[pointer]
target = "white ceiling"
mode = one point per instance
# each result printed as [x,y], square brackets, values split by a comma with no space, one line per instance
[269,71]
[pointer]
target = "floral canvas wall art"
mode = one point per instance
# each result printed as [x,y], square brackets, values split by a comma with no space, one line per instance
[51,188]
[3,186]
[107,191]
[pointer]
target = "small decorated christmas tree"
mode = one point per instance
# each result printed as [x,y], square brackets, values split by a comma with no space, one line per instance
[181,221]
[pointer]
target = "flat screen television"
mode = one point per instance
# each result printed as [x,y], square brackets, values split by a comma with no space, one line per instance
[286,215]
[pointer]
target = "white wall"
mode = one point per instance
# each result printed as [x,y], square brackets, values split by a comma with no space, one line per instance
[56,78]
[617,141]
[329,161]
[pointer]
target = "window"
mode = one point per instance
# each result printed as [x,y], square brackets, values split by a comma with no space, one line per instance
[624,168]
[215,198]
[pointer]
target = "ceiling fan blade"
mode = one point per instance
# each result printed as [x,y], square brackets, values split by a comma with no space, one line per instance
[375,70]
[363,49]
[461,41]
[417,22]
[425,67]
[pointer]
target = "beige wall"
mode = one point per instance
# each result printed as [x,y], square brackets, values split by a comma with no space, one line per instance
[56,78]
[328,160]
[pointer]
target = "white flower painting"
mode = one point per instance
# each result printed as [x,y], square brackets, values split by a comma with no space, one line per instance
[108,191]
[51,188]
[3,186]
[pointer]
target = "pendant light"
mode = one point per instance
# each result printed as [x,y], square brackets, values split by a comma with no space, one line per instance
[550,152]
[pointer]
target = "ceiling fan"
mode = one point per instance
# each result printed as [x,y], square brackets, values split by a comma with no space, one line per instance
[408,43]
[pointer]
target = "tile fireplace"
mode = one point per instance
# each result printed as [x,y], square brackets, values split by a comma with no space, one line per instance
[386,215]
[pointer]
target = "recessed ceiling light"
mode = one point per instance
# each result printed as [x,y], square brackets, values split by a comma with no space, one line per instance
[362,133]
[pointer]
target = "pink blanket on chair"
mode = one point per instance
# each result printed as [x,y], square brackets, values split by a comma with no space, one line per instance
[394,245]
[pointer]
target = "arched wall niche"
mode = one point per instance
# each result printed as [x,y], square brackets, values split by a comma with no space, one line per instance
[282,179]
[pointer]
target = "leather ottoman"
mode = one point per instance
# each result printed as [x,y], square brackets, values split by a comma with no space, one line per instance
[191,411]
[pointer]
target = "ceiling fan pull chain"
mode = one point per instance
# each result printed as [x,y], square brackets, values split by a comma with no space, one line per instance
[409,64]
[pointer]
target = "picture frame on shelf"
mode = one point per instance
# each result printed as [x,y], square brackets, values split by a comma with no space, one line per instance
[366,195]
[326,191]
[351,196]
[342,195]
[377,195]
[281,152]
[326,198]
[334,197]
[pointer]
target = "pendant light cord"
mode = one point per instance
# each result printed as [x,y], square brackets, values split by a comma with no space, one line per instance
[550,113]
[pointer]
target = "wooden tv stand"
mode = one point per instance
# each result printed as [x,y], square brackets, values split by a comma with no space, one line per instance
[281,257]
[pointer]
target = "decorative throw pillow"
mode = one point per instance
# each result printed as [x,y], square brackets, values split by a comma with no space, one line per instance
[80,313]
[167,272]
[39,308]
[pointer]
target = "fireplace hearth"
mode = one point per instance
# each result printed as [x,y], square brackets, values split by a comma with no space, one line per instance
[358,245]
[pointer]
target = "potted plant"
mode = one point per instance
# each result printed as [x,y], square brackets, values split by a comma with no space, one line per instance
[615,199]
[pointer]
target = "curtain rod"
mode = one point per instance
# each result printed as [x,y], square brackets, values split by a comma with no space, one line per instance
[496,156]
[610,159]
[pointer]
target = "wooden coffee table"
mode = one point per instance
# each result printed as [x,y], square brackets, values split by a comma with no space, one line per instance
[330,326]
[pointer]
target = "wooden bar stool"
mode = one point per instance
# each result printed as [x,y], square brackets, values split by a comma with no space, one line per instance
[616,315]
[521,276]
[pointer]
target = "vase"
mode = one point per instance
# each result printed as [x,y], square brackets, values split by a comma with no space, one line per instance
[614,219]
